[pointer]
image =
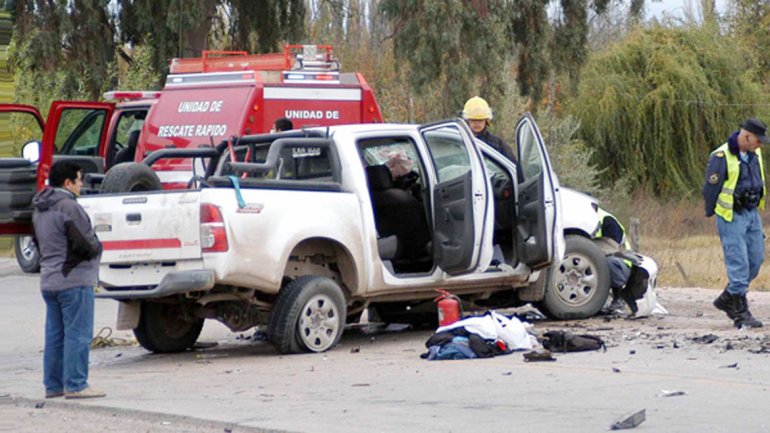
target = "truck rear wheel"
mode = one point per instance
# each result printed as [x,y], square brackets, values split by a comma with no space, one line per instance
[309,315]
[164,329]
[577,287]
[130,177]
[27,254]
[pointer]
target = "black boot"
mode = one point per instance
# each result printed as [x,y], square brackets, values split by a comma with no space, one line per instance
[726,303]
[743,317]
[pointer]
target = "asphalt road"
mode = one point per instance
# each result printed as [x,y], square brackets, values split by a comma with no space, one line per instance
[379,383]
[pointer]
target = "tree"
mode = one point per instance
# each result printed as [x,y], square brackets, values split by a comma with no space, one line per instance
[172,28]
[67,48]
[654,105]
[451,50]
[61,48]
[259,26]
[750,23]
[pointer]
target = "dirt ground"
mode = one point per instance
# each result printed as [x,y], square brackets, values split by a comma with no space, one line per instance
[363,382]
[691,317]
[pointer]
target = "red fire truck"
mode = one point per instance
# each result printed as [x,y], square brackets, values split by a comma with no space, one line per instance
[204,100]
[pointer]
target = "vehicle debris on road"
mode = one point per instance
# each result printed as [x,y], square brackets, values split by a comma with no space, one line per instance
[670,393]
[566,341]
[705,339]
[629,421]
[538,355]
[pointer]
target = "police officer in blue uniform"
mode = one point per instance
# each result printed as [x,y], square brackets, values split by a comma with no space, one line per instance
[735,190]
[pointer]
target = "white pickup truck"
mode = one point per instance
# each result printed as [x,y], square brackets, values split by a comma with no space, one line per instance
[303,231]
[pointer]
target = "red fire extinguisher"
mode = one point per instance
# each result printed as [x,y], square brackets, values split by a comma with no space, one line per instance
[449,309]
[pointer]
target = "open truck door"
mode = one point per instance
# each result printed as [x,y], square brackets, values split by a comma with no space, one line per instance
[538,231]
[76,131]
[21,126]
[460,205]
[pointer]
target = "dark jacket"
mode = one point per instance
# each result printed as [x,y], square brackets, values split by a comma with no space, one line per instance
[749,180]
[501,146]
[611,229]
[69,249]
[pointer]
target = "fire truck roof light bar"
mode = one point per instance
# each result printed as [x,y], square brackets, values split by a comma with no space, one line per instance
[211,78]
[131,94]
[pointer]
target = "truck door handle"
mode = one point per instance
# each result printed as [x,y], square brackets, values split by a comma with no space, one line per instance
[134,217]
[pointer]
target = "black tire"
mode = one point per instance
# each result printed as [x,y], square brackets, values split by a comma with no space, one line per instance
[27,254]
[577,287]
[309,316]
[130,177]
[163,328]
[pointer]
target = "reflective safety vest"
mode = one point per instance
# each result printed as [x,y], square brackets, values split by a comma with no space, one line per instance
[726,198]
[603,214]
[624,241]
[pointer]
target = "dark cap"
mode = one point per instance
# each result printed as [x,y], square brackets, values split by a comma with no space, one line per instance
[758,128]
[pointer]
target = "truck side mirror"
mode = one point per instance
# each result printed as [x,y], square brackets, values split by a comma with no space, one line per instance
[31,151]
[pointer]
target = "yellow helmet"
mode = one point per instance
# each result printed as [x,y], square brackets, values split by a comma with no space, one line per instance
[477,108]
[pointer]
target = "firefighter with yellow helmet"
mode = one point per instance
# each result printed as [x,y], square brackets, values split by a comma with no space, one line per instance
[477,115]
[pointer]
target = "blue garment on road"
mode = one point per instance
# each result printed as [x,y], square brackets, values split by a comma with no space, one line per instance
[69,327]
[743,247]
[458,348]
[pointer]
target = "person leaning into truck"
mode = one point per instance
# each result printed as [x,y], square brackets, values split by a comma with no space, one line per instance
[734,190]
[282,124]
[69,267]
[610,229]
[477,114]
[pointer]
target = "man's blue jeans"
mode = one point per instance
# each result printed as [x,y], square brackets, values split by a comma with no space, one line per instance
[743,246]
[69,328]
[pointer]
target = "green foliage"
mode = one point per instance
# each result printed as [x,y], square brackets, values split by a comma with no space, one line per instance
[173,28]
[750,23]
[141,73]
[544,44]
[260,26]
[61,50]
[529,28]
[453,49]
[574,163]
[653,106]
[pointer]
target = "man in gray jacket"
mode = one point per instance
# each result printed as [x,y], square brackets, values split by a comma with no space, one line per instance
[69,267]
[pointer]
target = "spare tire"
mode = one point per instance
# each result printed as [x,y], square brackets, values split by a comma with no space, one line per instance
[130,177]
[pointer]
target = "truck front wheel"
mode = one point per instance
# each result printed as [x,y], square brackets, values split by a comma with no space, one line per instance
[27,255]
[309,315]
[577,287]
[164,329]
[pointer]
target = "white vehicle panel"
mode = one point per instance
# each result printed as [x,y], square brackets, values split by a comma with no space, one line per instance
[578,211]
[155,226]
[262,235]
[142,274]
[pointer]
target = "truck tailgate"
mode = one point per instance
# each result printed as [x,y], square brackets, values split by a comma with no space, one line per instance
[148,226]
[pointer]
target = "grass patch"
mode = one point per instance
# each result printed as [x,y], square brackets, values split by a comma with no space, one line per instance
[677,232]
